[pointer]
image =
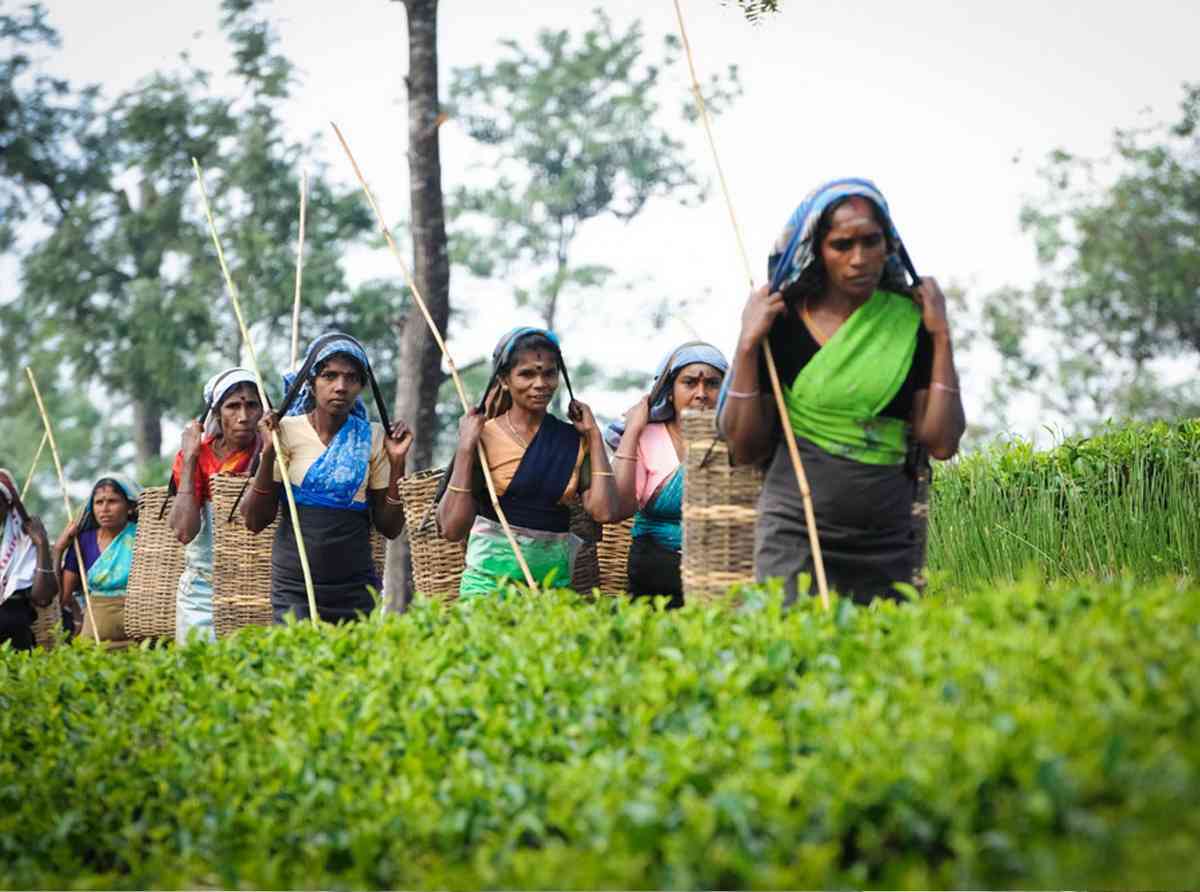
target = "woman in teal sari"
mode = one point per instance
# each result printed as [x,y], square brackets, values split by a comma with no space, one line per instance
[106,537]
[867,370]
[648,448]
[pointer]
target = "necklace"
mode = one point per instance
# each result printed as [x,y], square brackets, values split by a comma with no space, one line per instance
[513,430]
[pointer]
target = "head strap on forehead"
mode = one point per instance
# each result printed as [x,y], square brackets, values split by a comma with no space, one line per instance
[317,351]
[502,354]
[10,493]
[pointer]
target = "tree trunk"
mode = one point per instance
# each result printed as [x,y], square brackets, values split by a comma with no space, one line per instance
[419,373]
[147,430]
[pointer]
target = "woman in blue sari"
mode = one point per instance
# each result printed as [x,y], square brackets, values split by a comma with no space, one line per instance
[538,464]
[649,470]
[106,537]
[345,472]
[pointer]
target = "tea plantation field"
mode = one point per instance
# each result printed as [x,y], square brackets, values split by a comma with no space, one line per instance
[1019,736]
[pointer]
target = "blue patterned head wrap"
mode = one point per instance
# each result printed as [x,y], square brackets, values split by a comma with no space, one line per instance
[662,409]
[794,252]
[331,344]
[129,488]
[504,348]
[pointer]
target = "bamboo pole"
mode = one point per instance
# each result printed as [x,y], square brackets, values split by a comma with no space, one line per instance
[437,336]
[299,268]
[62,482]
[262,394]
[37,456]
[772,371]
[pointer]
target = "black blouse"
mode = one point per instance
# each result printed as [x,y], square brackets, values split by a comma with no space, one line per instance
[794,346]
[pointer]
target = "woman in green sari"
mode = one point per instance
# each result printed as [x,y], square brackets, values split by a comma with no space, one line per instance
[867,371]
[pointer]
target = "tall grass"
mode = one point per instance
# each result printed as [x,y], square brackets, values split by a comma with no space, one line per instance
[1125,501]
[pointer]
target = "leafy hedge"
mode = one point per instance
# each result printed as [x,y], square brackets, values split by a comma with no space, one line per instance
[1121,502]
[1019,737]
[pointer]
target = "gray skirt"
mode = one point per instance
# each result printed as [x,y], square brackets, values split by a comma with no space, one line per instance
[864,524]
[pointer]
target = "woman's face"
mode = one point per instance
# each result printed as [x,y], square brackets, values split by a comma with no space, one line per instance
[111,508]
[337,386]
[533,380]
[696,387]
[855,250]
[241,412]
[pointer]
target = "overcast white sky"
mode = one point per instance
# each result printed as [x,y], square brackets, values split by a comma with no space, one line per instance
[949,106]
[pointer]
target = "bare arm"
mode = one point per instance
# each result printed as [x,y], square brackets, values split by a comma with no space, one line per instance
[625,464]
[386,507]
[261,502]
[938,417]
[456,511]
[600,499]
[748,419]
[185,512]
[45,579]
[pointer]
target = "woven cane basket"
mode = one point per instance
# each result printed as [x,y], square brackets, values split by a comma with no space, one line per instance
[157,565]
[585,574]
[47,624]
[719,512]
[437,563]
[612,556]
[242,561]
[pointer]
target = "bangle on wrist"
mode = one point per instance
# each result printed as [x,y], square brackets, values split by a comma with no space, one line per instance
[388,498]
[465,490]
[262,492]
[741,394]
[624,457]
[938,385]
[602,473]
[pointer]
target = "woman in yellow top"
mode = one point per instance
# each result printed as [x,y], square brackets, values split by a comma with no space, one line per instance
[538,464]
[344,472]
[867,369]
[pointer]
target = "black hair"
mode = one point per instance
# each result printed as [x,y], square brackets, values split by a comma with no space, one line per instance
[531,341]
[813,280]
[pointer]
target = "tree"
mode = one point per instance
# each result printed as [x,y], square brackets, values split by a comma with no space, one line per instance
[418,365]
[574,127]
[124,295]
[1120,290]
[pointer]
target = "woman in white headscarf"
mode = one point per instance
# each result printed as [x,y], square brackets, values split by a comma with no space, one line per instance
[27,575]
[223,441]
[649,465]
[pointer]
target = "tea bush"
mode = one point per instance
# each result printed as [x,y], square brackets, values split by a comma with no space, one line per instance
[1121,502]
[1017,737]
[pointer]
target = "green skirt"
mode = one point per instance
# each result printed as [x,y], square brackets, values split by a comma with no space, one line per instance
[491,564]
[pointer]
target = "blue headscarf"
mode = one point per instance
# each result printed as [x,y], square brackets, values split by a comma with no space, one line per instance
[129,488]
[794,252]
[505,346]
[664,375]
[343,343]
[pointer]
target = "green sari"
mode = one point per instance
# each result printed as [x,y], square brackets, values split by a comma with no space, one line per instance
[836,398]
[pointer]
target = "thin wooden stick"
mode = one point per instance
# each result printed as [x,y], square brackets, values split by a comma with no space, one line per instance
[262,395]
[299,268]
[37,456]
[62,481]
[437,336]
[772,371]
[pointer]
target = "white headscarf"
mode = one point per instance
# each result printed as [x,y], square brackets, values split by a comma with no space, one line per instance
[17,565]
[217,389]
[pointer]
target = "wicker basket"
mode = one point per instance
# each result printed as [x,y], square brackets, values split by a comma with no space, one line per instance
[242,561]
[719,512]
[157,566]
[48,624]
[585,574]
[612,556]
[438,564]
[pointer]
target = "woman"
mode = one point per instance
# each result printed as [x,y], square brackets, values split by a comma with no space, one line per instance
[866,365]
[345,474]
[223,441]
[538,464]
[27,575]
[649,470]
[106,536]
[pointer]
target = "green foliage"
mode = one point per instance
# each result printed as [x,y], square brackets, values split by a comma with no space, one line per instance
[1121,502]
[123,295]
[572,132]
[1117,240]
[756,10]
[1016,738]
